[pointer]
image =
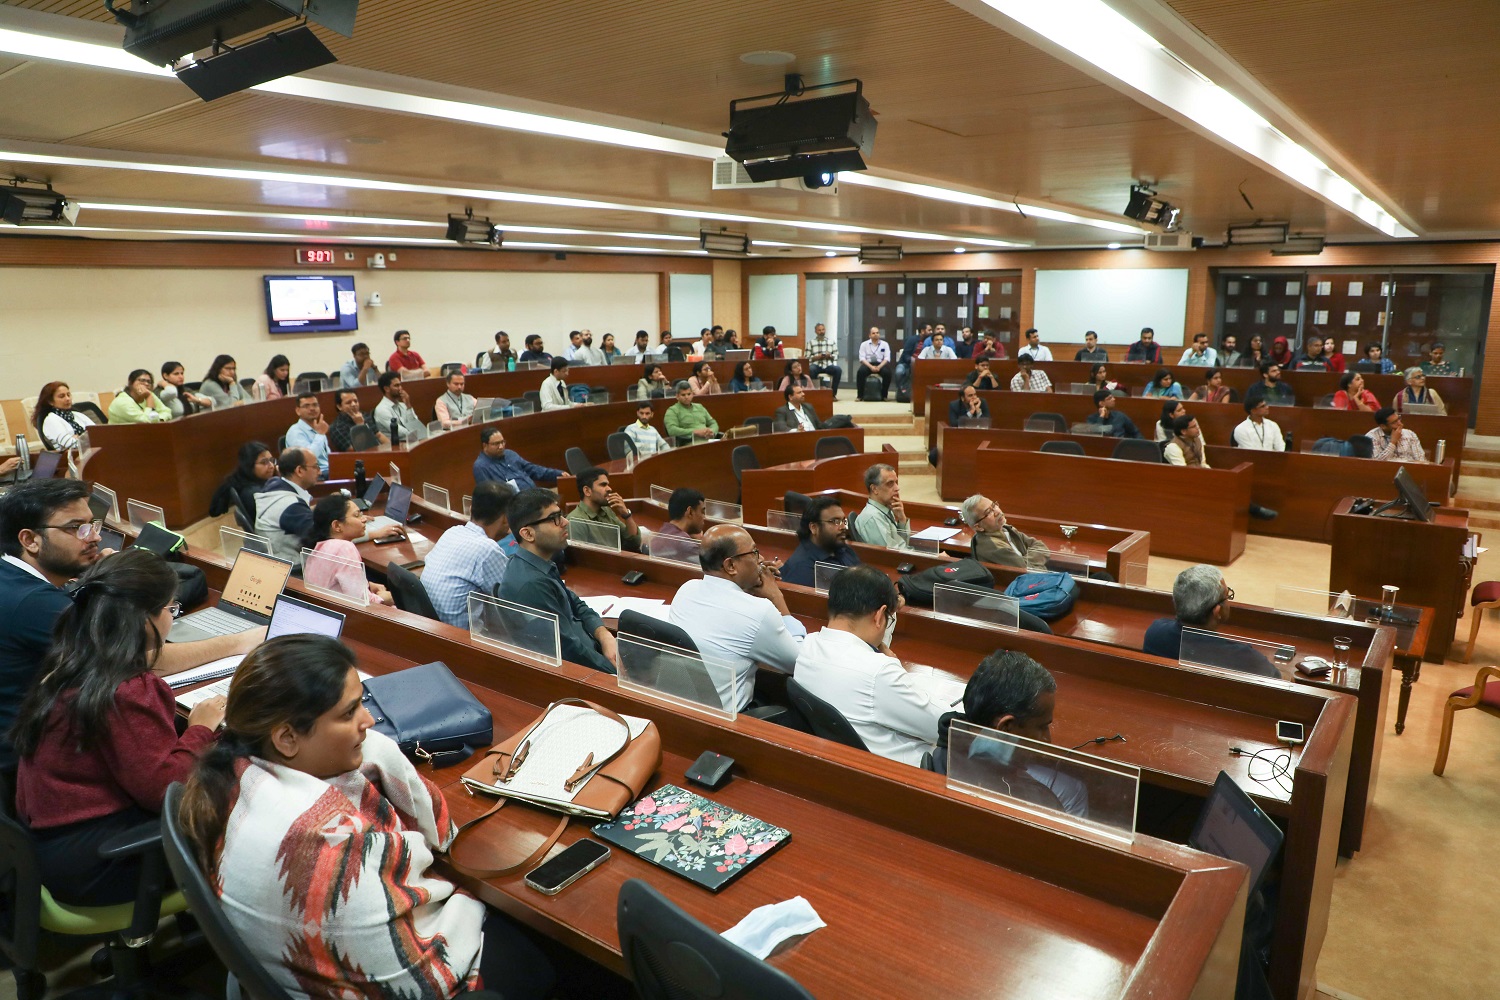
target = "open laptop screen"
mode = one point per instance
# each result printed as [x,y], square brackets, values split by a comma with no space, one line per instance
[372,492]
[255,581]
[294,616]
[1232,826]
[398,503]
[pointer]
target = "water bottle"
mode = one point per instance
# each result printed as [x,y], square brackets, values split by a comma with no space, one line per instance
[1442,447]
[359,477]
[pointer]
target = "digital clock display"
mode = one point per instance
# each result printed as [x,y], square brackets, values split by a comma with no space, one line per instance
[314,255]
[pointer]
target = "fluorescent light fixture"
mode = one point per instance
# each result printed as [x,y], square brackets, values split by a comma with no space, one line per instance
[957,197]
[1298,245]
[880,253]
[1095,33]
[1259,234]
[721,241]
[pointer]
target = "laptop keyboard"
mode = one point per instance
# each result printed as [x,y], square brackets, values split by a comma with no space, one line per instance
[217,622]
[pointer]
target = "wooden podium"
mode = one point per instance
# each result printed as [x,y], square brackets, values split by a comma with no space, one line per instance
[1426,560]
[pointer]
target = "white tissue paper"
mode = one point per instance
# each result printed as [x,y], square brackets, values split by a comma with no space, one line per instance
[765,927]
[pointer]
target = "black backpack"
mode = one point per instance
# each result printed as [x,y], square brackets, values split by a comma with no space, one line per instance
[917,587]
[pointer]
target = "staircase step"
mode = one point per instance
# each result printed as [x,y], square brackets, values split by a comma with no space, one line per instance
[1477,503]
[1489,470]
[1472,454]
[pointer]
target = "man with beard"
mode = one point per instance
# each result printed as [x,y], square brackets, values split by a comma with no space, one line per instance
[48,536]
[824,535]
[1201,597]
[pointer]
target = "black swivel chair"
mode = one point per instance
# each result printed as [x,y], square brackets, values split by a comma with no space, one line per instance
[1055,422]
[320,377]
[1138,450]
[619,445]
[674,677]
[479,360]
[1363,447]
[534,397]
[448,368]
[762,425]
[95,414]
[832,447]
[1325,401]
[1063,448]
[742,458]
[826,721]
[671,956]
[248,384]
[245,522]
[794,503]
[362,438]
[576,461]
[407,590]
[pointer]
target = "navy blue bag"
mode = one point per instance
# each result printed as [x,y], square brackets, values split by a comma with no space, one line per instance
[1049,596]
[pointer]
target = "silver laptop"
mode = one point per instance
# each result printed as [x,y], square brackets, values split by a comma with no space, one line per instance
[1422,409]
[294,616]
[247,600]
[735,357]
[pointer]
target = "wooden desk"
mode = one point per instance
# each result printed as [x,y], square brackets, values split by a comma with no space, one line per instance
[1425,560]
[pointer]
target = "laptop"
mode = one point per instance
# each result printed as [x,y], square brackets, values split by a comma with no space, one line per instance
[372,493]
[46,465]
[247,600]
[735,357]
[397,506]
[1422,409]
[1232,826]
[294,616]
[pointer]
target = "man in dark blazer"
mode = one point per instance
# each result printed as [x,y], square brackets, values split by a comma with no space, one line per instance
[968,404]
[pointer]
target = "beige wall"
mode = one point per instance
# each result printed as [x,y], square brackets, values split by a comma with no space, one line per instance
[92,325]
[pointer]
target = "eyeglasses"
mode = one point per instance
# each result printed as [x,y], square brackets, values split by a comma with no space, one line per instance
[1228,592]
[175,608]
[747,552]
[86,531]
[836,521]
[556,517]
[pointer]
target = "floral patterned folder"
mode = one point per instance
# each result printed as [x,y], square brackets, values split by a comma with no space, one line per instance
[691,836]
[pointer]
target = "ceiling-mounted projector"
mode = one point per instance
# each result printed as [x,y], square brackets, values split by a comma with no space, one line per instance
[31,206]
[789,135]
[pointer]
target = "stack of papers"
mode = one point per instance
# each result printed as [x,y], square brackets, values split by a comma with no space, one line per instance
[937,533]
[610,606]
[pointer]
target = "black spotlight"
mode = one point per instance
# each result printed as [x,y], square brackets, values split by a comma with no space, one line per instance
[820,179]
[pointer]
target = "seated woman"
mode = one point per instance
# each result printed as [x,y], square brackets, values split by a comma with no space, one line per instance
[1336,362]
[138,403]
[321,837]
[220,386]
[337,522]
[1353,395]
[254,468]
[608,349]
[1163,386]
[794,375]
[1186,447]
[1214,390]
[744,379]
[95,734]
[179,399]
[1099,378]
[703,380]
[56,422]
[654,384]
[1255,353]
[274,381]
[1416,391]
[1170,411]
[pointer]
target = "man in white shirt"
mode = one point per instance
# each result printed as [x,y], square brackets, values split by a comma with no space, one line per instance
[1392,442]
[394,416]
[874,359]
[1200,354]
[736,615]
[849,665]
[554,390]
[1257,431]
[587,353]
[937,349]
[798,413]
[1035,348]
[642,351]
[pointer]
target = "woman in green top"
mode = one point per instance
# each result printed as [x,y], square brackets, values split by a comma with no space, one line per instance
[138,404]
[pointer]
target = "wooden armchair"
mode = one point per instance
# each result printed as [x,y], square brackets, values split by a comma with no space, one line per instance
[1482,695]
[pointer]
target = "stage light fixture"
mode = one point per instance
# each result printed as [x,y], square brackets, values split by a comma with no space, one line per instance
[877,253]
[1145,206]
[1257,234]
[35,206]
[723,241]
[1299,244]
[470,231]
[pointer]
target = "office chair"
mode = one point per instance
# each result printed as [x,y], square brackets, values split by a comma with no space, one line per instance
[1363,447]
[320,377]
[1063,448]
[1137,450]
[619,445]
[794,503]
[247,384]
[761,424]
[245,522]
[281,445]
[479,360]
[362,437]
[92,409]
[1324,402]
[534,397]
[670,675]
[30,909]
[826,721]
[598,394]
[192,386]
[448,368]
[576,461]
[1054,422]
[832,447]
[408,592]
[671,956]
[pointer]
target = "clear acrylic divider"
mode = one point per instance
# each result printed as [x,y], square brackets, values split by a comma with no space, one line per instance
[521,407]
[1091,793]
[1404,618]
[482,407]
[1072,563]
[142,514]
[680,676]
[231,540]
[106,496]
[593,534]
[926,546]
[599,396]
[468,502]
[660,495]
[436,495]
[75,462]
[514,628]
[980,423]
[976,604]
[435,427]
[1087,429]
[719,510]
[1234,653]
[395,474]
[780,520]
[675,548]
[823,574]
[335,577]
[1135,573]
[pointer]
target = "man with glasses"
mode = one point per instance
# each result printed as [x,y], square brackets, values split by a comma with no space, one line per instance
[736,614]
[48,536]
[1391,442]
[1201,598]
[497,464]
[533,579]
[310,431]
[883,520]
[998,542]
[824,535]
[283,508]
[341,433]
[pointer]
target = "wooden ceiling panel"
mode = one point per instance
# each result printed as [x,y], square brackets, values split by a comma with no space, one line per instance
[52,103]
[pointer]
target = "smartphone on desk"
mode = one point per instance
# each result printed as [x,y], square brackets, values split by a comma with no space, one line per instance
[552,877]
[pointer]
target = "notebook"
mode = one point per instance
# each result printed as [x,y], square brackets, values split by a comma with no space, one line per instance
[688,835]
[247,599]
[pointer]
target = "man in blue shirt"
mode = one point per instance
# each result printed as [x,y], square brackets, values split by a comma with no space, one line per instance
[497,465]
[1201,599]
[359,371]
[310,431]
[467,557]
[824,535]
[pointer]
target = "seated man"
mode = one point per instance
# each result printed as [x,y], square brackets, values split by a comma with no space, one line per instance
[883,520]
[454,408]
[687,419]
[310,431]
[1091,351]
[599,504]
[736,614]
[575,344]
[1186,446]
[937,349]
[849,665]
[1392,442]
[996,541]
[467,556]
[554,390]
[496,464]
[641,351]
[874,360]
[968,406]
[1115,423]
[1230,355]
[822,357]
[403,358]
[1034,349]
[501,358]
[981,377]
[533,579]
[283,508]
[535,351]
[768,346]
[1027,379]
[1200,354]
[394,415]
[797,413]
[1201,599]
[823,537]
[646,438]
[358,370]
[1270,387]
[1258,431]
[1146,349]
[678,539]
[587,353]
[341,431]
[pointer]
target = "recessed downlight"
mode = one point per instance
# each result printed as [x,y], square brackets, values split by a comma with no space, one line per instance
[768,57]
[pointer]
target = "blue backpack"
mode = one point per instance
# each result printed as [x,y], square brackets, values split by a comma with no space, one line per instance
[1333,446]
[1049,596]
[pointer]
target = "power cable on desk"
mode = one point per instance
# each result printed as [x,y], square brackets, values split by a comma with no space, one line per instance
[1280,768]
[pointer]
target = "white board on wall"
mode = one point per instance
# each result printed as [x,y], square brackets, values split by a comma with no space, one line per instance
[692,304]
[1113,302]
[773,302]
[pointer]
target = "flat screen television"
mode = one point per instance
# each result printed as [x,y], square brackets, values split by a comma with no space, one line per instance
[311,303]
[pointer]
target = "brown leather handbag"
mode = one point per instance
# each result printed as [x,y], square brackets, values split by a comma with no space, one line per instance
[596,788]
